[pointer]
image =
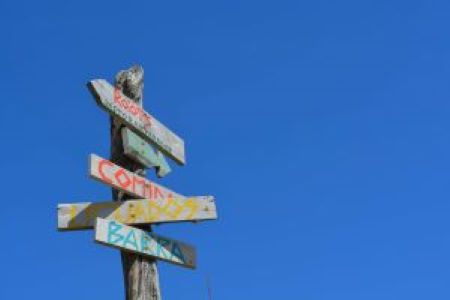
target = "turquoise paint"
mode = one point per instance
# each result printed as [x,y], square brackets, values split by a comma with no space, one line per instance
[145,244]
[176,251]
[160,248]
[163,168]
[130,241]
[143,152]
[139,241]
[113,227]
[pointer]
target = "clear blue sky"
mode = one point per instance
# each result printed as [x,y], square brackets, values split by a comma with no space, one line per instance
[322,128]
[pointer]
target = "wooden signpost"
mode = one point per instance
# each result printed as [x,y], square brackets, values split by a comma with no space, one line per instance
[138,141]
[123,237]
[126,110]
[75,216]
[138,149]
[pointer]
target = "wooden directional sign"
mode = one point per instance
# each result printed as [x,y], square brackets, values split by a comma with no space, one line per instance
[139,150]
[114,234]
[149,128]
[119,178]
[83,215]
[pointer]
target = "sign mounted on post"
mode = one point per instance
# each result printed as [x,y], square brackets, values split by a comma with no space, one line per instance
[75,216]
[119,178]
[149,128]
[139,150]
[138,141]
[123,237]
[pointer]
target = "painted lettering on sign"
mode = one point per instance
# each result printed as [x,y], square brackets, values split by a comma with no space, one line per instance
[124,180]
[115,234]
[141,122]
[74,216]
[144,153]
[131,107]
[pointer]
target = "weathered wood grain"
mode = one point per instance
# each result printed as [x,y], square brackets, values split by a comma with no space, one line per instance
[140,273]
[75,216]
[139,150]
[114,234]
[119,178]
[129,112]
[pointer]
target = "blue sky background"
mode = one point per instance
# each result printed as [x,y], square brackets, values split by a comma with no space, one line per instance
[322,128]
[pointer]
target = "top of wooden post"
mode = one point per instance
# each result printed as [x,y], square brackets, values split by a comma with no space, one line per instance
[131,83]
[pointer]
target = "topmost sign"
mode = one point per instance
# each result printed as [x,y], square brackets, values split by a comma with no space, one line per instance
[150,129]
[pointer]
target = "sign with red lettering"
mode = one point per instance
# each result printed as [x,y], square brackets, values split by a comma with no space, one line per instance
[149,128]
[119,178]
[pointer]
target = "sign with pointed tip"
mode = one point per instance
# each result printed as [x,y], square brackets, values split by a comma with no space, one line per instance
[141,122]
[114,234]
[139,150]
[120,178]
[75,216]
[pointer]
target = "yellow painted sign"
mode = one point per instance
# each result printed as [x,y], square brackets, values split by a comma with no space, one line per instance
[82,215]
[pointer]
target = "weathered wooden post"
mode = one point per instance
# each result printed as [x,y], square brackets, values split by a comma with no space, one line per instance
[138,141]
[140,273]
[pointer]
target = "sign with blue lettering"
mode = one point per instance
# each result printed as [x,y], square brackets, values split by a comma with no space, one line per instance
[114,234]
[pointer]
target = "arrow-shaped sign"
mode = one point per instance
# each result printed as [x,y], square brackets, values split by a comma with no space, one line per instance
[149,128]
[136,148]
[119,178]
[123,237]
[73,216]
